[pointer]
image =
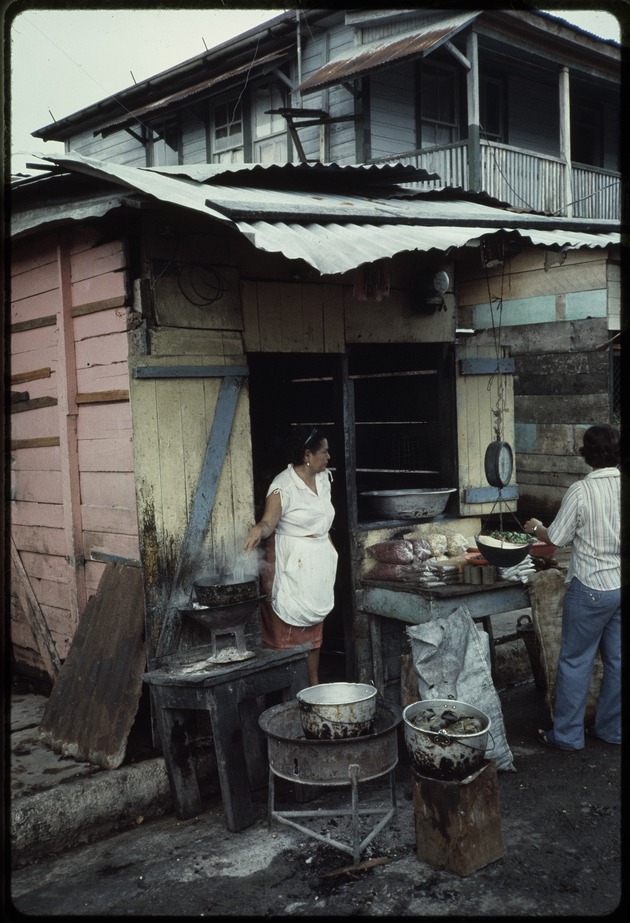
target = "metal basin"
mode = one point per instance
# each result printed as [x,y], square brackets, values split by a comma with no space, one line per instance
[294,757]
[408,504]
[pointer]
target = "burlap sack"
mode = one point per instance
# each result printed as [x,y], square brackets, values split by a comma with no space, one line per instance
[546,594]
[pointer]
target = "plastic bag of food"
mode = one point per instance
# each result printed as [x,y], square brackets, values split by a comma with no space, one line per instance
[456,544]
[393,551]
[421,550]
[383,571]
[437,543]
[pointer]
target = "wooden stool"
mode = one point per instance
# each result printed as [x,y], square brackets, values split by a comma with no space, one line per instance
[228,693]
[458,825]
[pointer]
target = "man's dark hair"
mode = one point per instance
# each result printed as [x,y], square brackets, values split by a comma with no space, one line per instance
[601,447]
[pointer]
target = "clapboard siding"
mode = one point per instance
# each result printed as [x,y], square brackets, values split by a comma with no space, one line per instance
[40,539]
[85,348]
[119,147]
[194,139]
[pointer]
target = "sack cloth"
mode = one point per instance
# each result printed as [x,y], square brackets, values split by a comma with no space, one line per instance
[451,658]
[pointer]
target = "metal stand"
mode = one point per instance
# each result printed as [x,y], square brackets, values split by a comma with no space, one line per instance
[355,812]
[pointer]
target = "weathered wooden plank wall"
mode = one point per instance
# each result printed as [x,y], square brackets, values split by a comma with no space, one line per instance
[71,447]
[172,420]
[562,378]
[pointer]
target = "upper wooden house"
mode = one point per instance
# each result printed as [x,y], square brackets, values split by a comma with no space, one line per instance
[517,104]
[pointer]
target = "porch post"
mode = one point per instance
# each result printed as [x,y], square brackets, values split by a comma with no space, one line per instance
[565,142]
[472,102]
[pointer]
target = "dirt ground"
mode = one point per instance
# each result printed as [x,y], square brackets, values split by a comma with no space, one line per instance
[559,820]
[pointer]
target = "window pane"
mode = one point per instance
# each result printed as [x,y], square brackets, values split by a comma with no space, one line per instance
[228,125]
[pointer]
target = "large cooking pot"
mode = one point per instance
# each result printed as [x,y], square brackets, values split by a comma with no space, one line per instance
[225,589]
[445,739]
[335,711]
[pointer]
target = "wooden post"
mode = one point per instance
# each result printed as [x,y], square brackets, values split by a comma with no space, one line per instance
[458,825]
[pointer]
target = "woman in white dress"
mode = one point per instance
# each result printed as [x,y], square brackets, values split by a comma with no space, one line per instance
[299,578]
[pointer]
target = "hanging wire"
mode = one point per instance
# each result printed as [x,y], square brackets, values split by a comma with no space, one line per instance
[497,376]
[199,283]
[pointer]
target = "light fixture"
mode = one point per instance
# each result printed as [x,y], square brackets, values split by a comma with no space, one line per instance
[429,292]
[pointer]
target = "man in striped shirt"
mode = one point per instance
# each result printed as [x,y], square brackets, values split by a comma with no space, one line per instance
[589,517]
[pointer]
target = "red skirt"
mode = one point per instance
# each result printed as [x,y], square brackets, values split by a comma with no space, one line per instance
[276,634]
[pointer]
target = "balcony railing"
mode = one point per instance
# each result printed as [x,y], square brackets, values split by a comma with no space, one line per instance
[525,179]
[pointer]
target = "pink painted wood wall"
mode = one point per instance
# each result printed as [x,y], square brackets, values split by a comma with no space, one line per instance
[71,458]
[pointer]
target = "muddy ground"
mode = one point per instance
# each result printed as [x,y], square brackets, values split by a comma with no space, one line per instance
[559,820]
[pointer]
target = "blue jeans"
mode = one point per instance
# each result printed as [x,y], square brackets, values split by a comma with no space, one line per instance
[591,619]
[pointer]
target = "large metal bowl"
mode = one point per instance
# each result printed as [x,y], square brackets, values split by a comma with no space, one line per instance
[408,504]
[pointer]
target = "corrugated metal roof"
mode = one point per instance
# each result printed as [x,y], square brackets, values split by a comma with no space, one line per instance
[186,94]
[337,231]
[290,174]
[363,59]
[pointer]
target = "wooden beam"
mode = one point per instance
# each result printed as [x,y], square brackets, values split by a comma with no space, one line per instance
[49,321]
[34,404]
[39,443]
[190,371]
[35,616]
[67,428]
[20,377]
[95,306]
[102,397]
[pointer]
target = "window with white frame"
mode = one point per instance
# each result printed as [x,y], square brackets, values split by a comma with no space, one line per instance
[270,128]
[227,133]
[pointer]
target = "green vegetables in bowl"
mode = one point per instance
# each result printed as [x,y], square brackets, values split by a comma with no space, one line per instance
[515,538]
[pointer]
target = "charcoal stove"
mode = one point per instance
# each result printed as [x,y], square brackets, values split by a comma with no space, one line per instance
[221,604]
[223,621]
[337,762]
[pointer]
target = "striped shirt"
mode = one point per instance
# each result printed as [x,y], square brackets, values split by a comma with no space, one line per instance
[590,517]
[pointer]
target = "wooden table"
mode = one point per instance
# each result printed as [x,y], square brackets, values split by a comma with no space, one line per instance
[410,602]
[229,693]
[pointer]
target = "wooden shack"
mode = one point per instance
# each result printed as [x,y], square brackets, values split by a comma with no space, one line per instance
[139,322]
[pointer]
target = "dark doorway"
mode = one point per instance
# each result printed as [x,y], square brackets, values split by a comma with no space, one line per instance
[389,414]
[304,389]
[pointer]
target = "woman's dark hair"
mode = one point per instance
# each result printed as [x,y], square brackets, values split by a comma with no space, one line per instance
[601,447]
[302,438]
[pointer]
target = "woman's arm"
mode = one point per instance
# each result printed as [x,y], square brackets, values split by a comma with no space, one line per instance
[268,522]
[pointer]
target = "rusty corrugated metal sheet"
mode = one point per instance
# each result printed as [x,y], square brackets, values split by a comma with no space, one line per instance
[364,59]
[97,692]
[188,92]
